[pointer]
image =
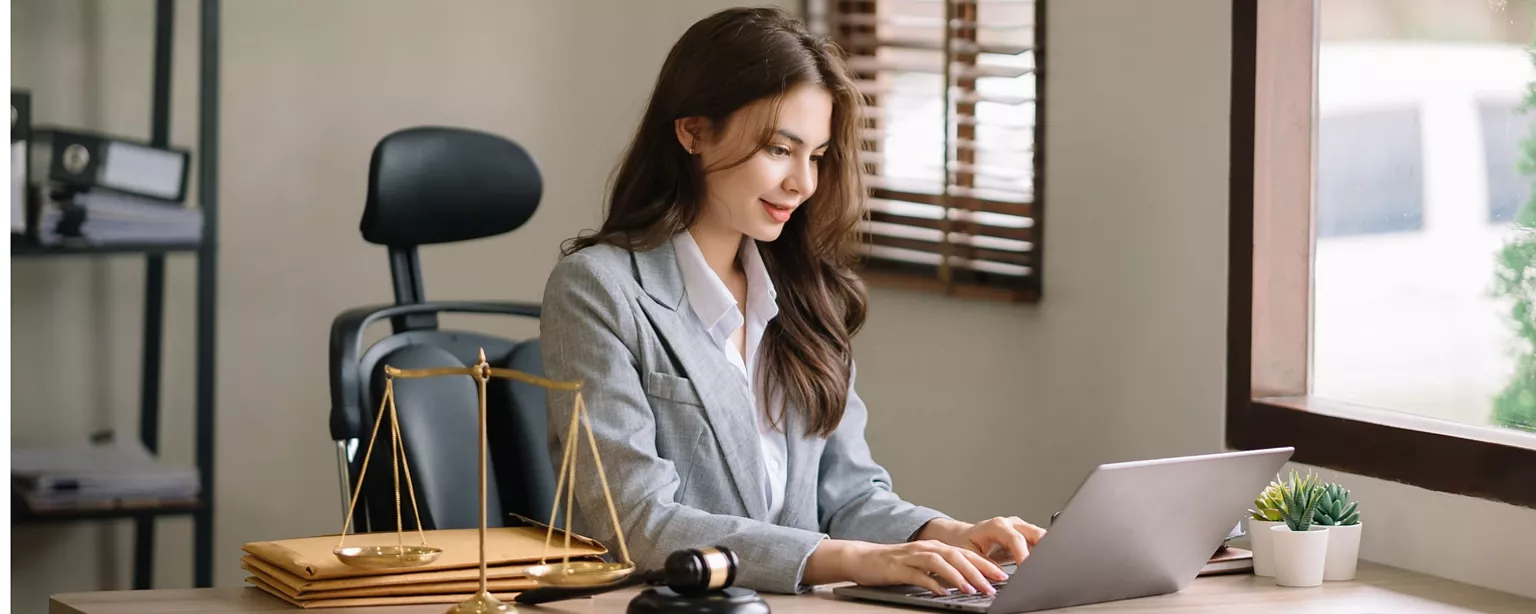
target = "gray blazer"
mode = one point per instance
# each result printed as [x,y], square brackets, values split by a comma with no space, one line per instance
[675,429]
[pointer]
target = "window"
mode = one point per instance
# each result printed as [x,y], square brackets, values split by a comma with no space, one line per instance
[1506,136]
[951,140]
[1381,274]
[1370,176]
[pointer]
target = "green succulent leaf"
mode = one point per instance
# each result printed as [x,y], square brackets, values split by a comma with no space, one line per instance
[1335,508]
[1268,506]
[1301,497]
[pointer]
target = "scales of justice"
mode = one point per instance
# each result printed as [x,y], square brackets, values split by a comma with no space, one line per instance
[562,574]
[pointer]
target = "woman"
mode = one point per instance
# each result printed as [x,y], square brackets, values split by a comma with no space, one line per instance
[710,319]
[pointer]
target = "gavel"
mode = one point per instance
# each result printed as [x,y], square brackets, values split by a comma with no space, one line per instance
[689,573]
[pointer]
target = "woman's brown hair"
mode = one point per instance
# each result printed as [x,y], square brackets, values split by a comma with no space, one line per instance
[721,64]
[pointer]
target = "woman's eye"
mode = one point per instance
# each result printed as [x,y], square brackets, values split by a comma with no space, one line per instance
[815,159]
[777,150]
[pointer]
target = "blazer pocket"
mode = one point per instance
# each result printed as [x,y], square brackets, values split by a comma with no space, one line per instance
[687,468]
[672,388]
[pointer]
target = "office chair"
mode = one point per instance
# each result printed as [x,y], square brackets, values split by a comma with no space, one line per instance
[432,185]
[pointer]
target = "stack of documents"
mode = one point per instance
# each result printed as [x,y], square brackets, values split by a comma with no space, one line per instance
[112,218]
[306,573]
[1228,560]
[99,476]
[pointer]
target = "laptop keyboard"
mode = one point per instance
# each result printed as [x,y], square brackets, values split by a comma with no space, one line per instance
[955,596]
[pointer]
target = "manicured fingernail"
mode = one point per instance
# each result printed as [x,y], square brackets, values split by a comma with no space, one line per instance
[969,590]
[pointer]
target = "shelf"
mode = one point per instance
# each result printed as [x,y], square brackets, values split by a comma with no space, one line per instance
[205,325]
[27,250]
[20,514]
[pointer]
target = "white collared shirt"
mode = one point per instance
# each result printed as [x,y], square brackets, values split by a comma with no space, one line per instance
[713,303]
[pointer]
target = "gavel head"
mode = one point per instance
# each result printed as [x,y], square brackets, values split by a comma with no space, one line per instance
[699,570]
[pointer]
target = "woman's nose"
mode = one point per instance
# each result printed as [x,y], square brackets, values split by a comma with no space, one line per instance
[802,180]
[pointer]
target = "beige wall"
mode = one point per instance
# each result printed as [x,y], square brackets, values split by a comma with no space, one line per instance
[1009,405]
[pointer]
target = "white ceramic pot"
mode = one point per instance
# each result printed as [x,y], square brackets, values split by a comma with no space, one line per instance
[1300,556]
[1259,541]
[1343,553]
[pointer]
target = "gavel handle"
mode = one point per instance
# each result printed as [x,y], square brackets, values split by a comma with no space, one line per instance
[545,594]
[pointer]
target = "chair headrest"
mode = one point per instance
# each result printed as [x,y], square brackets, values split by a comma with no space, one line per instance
[433,184]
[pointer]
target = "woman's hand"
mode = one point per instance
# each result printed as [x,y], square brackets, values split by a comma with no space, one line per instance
[930,564]
[1000,538]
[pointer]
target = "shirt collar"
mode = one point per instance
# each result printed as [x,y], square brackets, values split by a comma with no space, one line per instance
[761,293]
[712,302]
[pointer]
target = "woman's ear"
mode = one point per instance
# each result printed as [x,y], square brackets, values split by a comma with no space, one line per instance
[690,133]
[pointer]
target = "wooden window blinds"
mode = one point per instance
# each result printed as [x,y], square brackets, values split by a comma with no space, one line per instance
[951,139]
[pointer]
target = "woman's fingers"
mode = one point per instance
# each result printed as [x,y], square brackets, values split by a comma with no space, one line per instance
[1002,532]
[916,576]
[987,567]
[1032,533]
[935,566]
[1018,546]
[957,558]
[938,564]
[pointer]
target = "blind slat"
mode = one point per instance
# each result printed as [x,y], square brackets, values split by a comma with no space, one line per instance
[974,199]
[1009,172]
[883,249]
[969,256]
[966,119]
[912,209]
[931,216]
[995,177]
[918,21]
[960,119]
[971,228]
[875,88]
[959,70]
[955,238]
[957,201]
[995,248]
[954,144]
[937,43]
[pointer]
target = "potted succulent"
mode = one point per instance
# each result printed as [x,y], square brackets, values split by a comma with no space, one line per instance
[1265,514]
[1341,517]
[1300,547]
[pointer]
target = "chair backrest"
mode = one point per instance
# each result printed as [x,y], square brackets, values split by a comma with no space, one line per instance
[431,185]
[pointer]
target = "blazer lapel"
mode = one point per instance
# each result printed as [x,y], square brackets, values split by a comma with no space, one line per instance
[721,388]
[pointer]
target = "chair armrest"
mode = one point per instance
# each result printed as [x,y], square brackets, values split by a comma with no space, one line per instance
[347,348]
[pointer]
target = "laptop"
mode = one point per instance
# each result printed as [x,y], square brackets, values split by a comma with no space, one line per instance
[1133,529]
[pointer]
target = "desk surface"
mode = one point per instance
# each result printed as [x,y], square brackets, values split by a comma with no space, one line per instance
[1376,589]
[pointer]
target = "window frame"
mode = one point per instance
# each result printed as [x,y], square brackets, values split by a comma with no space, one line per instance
[1268,400]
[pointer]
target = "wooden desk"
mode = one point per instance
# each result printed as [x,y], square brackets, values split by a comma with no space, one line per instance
[1377,589]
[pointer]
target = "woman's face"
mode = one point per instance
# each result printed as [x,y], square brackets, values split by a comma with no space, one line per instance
[757,197]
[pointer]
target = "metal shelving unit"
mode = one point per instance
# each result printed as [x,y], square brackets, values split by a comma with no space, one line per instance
[206,252]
